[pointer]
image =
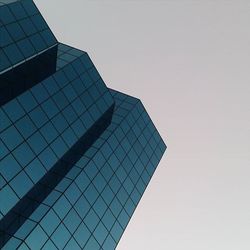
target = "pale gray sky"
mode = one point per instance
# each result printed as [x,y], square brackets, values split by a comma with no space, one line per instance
[188,61]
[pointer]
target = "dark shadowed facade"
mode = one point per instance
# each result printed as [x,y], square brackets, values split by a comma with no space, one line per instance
[75,156]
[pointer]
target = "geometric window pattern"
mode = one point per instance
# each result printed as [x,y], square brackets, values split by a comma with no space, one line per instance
[24,33]
[75,156]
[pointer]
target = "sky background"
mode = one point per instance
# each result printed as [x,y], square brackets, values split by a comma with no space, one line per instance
[189,63]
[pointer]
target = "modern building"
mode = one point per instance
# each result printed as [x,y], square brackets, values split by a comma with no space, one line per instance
[75,156]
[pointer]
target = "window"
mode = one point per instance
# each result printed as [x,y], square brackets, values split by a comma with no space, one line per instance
[38,42]
[39,93]
[13,110]
[116,231]
[72,193]
[2,183]
[101,104]
[50,108]
[93,110]
[107,195]
[28,26]
[13,243]
[99,182]
[109,243]
[48,158]
[3,150]
[70,72]
[59,147]
[4,120]
[129,206]
[18,10]
[78,86]
[9,167]
[50,85]
[7,204]
[52,198]
[108,98]
[60,123]
[87,120]
[93,91]
[26,48]
[121,174]
[100,233]
[21,184]
[15,31]
[82,181]
[50,222]
[72,245]
[38,117]
[69,137]
[86,80]
[6,15]
[91,221]
[94,74]
[23,154]
[5,37]
[114,184]
[128,185]
[26,228]
[48,37]
[37,143]
[108,219]
[77,65]
[39,22]
[25,127]
[135,196]
[37,238]
[134,176]
[60,100]
[40,211]
[86,61]
[82,235]
[82,206]
[72,221]
[11,137]
[60,78]
[92,244]
[78,106]
[62,207]
[69,93]
[4,63]
[29,7]
[63,185]
[49,132]
[49,245]
[13,53]
[35,170]
[91,194]
[27,101]
[101,86]
[100,207]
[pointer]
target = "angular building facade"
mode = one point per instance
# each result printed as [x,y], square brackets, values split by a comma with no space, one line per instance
[75,156]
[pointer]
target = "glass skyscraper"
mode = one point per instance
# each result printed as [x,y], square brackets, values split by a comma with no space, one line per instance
[75,156]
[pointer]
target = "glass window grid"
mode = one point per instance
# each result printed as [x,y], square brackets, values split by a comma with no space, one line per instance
[22,50]
[35,106]
[68,54]
[28,162]
[26,34]
[91,67]
[130,100]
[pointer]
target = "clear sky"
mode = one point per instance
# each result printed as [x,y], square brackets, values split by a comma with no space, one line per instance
[189,62]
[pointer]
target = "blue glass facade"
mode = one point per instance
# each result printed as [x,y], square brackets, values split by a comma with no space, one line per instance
[75,156]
